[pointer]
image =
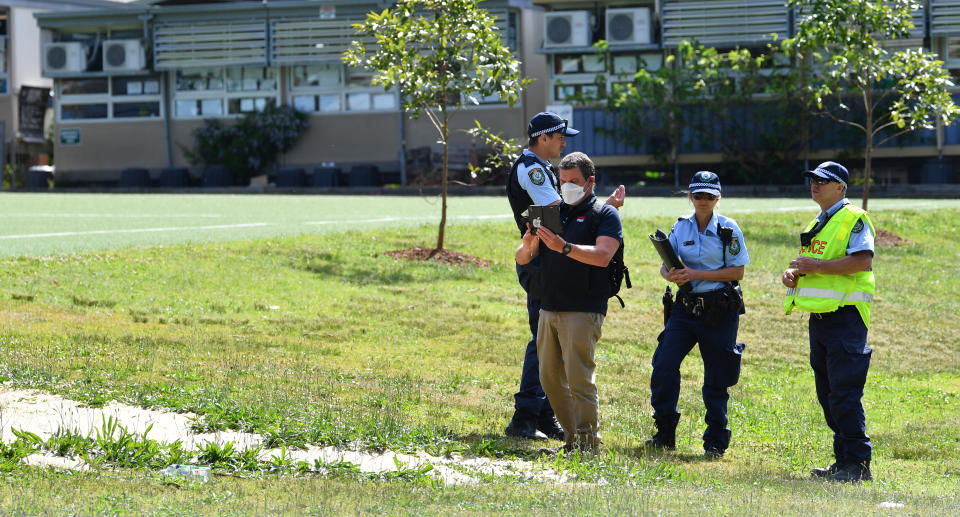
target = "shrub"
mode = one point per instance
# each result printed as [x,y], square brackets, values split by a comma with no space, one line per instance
[250,145]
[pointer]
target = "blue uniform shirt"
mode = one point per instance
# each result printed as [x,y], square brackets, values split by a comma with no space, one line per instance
[861,237]
[704,250]
[539,180]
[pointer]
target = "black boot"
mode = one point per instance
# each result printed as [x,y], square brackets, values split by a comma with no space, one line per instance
[853,472]
[549,426]
[666,437]
[825,472]
[524,425]
[715,443]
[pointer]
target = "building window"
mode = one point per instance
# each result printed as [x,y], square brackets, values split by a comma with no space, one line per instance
[218,92]
[951,54]
[585,78]
[579,78]
[4,66]
[332,88]
[106,98]
[83,111]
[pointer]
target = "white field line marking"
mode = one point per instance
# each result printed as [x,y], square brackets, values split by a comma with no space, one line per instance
[411,218]
[133,230]
[121,215]
[778,209]
[117,216]
[891,206]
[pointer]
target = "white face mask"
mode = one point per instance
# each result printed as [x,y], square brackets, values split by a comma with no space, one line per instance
[571,192]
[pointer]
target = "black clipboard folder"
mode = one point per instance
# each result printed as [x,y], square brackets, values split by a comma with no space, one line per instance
[667,255]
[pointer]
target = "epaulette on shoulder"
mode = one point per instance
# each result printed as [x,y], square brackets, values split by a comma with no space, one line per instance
[528,160]
[680,219]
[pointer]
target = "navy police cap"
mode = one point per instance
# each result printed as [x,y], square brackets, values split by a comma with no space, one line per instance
[832,171]
[546,122]
[705,181]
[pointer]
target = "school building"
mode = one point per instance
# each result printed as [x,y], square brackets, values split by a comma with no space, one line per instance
[133,81]
[24,91]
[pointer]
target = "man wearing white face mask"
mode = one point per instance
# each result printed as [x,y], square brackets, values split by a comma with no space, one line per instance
[533,181]
[573,286]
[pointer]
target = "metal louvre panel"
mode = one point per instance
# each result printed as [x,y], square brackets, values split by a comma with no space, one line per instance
[210,45]
[501,20]
[916,15]
[723,21]
[312,40]
[944,18]
[918,29]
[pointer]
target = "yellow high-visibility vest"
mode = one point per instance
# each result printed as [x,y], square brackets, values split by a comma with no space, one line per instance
[821,292]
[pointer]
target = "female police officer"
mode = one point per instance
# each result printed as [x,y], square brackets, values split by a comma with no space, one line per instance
[707,311]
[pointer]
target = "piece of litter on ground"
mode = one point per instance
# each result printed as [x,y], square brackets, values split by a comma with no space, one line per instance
[890,504]
[188,472]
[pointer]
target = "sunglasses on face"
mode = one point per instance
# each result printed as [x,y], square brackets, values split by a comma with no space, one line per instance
[703,195]
[821,181]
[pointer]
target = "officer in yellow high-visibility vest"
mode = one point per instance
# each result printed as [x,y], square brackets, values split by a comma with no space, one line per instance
[832,279]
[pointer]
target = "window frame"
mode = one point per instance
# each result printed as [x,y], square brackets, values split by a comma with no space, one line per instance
[224,94]
[5,64]
[343,90]
[110,99]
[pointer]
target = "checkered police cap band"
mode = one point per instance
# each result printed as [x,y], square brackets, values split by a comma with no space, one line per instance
[712,186]
[821,171]
[548,130]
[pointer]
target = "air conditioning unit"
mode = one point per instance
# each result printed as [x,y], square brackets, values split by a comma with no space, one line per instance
[123,55]
[64,58]
[628,26]
[567,29]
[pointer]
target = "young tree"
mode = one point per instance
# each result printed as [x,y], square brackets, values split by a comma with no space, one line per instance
[895,92]
[756,115]
[654,107]
[713,95]
[438,53]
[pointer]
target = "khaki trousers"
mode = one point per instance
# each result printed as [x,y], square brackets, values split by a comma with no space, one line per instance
[566,342]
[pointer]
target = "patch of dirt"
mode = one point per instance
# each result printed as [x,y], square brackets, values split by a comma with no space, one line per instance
[444,256]
[890,239]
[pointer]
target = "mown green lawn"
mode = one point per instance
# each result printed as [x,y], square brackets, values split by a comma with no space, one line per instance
[324,339]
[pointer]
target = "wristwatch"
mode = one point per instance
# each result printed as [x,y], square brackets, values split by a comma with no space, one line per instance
[566,249]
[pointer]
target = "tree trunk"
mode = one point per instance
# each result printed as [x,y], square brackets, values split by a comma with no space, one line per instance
[443,180]
[867,159]
[674,126]
[868,148]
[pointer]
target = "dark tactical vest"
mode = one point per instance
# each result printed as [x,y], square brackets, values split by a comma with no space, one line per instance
[567,284]
[518,197]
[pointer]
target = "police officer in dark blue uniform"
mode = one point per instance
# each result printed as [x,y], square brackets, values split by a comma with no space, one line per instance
[533,181]
[707,311]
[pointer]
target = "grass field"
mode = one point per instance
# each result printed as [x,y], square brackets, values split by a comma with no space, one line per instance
[44,224]
[310,334]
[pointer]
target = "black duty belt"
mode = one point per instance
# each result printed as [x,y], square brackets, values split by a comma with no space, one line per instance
[695,303]
[827,315]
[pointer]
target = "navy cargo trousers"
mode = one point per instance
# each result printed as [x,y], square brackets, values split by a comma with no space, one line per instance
[840,358]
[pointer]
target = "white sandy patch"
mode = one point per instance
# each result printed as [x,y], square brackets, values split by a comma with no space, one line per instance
[57,462]
[44,414]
